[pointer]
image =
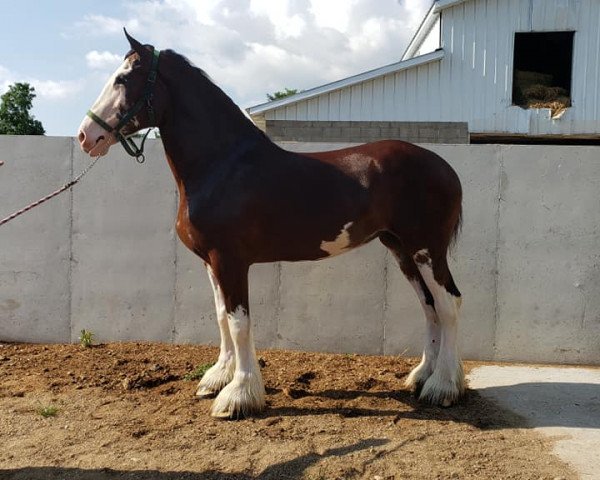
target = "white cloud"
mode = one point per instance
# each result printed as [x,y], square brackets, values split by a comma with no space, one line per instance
[44,89]
[103,60]
[99,25]
[6,78]
[251,47]
[56,90]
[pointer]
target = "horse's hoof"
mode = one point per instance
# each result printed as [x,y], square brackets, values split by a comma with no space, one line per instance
[228,415]
[204,392]
[441,393]
[416,389]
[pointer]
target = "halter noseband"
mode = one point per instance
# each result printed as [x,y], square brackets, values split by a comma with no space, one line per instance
[128,144]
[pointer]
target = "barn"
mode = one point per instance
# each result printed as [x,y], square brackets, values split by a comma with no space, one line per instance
[479,71]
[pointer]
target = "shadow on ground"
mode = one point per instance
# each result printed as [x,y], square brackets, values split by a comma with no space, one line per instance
[291,469]
[472,409]
[551,404]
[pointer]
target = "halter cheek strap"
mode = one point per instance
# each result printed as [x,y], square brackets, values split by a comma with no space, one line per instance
[146,100]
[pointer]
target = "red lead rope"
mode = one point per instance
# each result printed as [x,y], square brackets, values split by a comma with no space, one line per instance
[51,195]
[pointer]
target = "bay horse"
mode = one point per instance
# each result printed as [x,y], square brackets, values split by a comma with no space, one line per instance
[245,200]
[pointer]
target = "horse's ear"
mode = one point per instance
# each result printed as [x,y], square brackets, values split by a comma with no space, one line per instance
[135,45]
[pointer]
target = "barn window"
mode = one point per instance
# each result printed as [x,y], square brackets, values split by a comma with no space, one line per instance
[542,70]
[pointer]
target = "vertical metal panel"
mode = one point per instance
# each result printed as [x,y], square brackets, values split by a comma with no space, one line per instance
[355,101]
[411,94]
[313,108]
[400,94]
[280,114]
[334,105]
[595,66]
[291,111]
[434,88]
[389,97]
[323,107]
[377,102]
[344,105]
[366,100]
[301,111]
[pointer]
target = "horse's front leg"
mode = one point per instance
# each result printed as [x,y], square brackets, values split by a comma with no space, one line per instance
[221,373]
[244,395]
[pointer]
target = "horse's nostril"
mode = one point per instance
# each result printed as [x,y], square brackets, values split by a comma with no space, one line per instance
[81,137]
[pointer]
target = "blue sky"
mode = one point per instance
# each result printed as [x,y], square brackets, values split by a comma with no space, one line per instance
[67,49]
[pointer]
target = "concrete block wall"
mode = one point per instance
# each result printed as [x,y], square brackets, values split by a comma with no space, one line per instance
[367,131]
[105,257]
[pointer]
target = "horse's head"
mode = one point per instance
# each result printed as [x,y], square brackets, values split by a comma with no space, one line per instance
[127,104]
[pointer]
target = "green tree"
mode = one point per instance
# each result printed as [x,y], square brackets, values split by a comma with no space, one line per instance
[15,118]
[282,94]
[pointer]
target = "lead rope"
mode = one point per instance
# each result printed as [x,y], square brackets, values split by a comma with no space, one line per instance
[66,186]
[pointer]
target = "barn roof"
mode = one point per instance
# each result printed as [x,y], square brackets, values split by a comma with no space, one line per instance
[408,61]
[346,82]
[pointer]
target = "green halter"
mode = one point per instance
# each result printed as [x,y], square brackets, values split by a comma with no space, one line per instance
[128,144]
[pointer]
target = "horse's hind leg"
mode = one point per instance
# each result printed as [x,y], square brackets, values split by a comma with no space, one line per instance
[446,384]
[245,394]
[221,373]
[419,375]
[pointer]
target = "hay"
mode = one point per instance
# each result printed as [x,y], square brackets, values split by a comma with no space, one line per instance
[535,90]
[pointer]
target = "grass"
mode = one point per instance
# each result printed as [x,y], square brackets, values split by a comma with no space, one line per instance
[47,411]
[86,338]
[198,372]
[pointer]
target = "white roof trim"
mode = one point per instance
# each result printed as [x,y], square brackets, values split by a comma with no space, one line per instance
[427,24]
[361,77]
[444,4]
[422,32]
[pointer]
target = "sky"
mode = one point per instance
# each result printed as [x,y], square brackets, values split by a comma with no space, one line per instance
[67,49]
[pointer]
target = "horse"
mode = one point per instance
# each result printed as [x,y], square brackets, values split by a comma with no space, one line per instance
[245,200]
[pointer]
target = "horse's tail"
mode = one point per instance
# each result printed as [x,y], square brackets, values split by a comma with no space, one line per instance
[457,228]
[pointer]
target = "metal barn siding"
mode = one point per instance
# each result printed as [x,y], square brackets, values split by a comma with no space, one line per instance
[473,80]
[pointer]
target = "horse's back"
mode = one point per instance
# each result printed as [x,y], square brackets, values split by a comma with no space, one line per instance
[403,167]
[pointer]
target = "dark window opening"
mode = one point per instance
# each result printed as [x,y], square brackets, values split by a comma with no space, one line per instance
[542,70]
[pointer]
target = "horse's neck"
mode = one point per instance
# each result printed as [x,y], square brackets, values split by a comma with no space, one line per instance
[207,134]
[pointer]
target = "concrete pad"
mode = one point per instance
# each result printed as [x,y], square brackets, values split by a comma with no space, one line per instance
[563,403]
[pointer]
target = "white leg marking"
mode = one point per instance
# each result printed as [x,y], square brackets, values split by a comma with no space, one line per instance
[221,373]
[340,244]
[419,375]
[447,382]
[245,394]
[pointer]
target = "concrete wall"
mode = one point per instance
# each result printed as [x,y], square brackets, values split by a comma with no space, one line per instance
[338,131]
[105,257]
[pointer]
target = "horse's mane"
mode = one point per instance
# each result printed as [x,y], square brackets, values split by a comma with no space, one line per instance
[187,64]
[182,59]
[199,75]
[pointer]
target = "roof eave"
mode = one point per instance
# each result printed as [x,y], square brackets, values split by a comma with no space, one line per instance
[422,32]
[427,24]
[346,82]
[444,4]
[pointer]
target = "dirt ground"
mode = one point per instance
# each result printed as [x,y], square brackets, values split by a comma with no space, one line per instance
[125,411]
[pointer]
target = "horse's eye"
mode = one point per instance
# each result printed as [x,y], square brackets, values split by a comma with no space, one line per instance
[121,80]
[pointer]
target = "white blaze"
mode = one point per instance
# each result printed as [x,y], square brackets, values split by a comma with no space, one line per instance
[112,96]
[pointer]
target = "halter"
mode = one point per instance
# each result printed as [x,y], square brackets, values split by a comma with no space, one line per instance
[128,144]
